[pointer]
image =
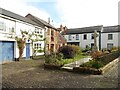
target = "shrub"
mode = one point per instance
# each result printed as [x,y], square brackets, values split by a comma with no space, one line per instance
[59,56]
[92,64]
[104,49]
[50,58]
[76,49]
[97,64]
[114,48]
[69,51]
[87,48]
[106,52]
[53,58]
[96,54]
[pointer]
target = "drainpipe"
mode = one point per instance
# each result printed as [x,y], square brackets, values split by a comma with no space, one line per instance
[100,40]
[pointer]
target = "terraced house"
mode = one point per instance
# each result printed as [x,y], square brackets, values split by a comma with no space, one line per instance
[108,37]
[10,26]
[54,39]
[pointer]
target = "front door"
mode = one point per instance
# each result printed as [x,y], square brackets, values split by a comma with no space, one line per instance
[27,51]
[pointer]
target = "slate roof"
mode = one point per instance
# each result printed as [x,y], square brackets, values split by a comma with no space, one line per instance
[16,16]
[83,30]
[109,29]
[36,19]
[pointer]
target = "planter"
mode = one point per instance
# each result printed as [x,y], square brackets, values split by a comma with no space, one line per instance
[94,71]
[53,67]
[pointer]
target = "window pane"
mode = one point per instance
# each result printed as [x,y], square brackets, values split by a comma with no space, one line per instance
[85,36]
[110,36]
[77,37]
[109,45]
[92,36]
[69,37]
[1,26]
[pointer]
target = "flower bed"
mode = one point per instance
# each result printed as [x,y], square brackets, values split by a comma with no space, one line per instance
[100,66]
[95,71]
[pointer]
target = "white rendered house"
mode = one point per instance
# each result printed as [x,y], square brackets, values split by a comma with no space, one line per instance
[10,26]
[108,37]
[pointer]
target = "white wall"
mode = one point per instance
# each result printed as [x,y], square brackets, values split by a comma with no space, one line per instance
[8,25]
[104,39]
[82,42]
[18,25]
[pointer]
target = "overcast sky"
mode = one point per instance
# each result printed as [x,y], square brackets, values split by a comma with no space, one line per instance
[72,13]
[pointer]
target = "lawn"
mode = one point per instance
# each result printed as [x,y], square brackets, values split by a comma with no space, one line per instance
[76,58]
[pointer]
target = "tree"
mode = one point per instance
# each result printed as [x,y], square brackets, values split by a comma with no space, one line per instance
[21,43]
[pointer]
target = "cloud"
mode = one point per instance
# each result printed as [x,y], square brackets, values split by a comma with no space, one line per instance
[72,13]
[81,13]
[21,7]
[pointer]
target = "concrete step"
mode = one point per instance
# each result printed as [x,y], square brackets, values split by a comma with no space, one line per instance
[67,68]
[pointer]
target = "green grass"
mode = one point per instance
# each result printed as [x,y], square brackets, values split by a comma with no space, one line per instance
[66,61]
[93,64]
[38,57]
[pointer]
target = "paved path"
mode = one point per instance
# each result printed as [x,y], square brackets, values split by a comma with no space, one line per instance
[76,63]
[31,74]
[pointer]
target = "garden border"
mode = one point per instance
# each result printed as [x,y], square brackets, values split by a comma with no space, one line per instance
[85,70]
[96,71]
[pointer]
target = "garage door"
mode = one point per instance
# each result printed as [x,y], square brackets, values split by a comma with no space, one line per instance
[6,51]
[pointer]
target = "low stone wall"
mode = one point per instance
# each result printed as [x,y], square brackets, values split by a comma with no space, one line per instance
[109,65]
[87,70]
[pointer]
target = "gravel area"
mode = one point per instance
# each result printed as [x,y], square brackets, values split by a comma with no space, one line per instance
[31,74]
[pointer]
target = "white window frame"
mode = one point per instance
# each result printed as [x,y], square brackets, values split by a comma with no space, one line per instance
[69,37]
[2,26]
[92,36]
[77,36]
[110,45]
[110,36]
[84,37]
[37,46]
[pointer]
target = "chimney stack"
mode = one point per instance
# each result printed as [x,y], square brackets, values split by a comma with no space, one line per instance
[61,27]
[49,20]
